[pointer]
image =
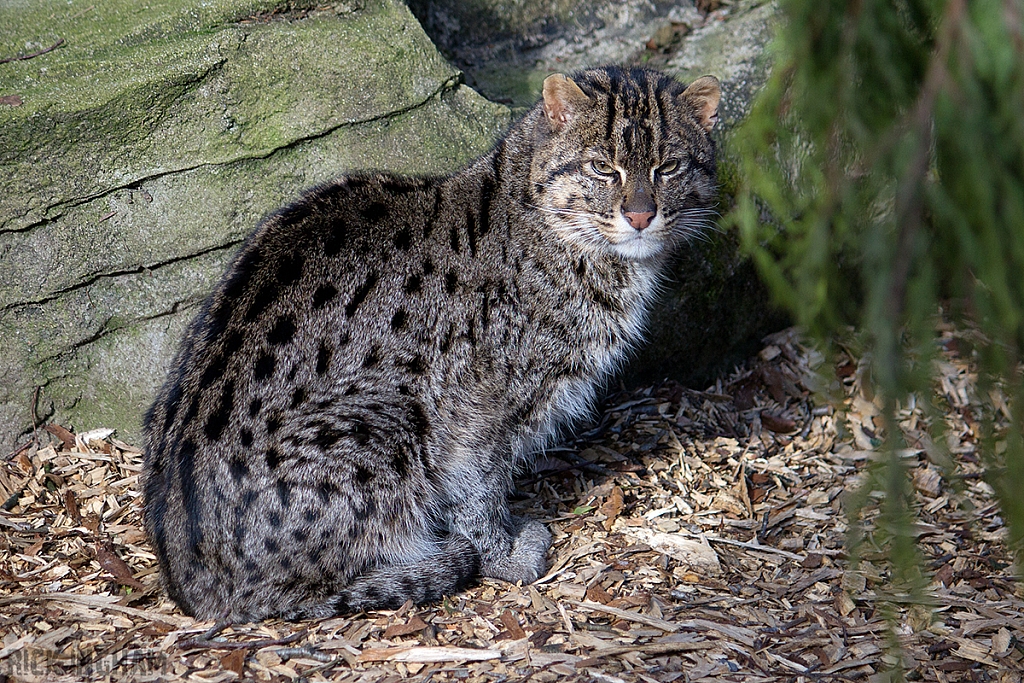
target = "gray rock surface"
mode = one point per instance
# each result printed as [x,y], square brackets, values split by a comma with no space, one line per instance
[138,154]
[729,43]
[507,49]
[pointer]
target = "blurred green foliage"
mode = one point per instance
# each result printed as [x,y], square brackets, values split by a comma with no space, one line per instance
[882,187]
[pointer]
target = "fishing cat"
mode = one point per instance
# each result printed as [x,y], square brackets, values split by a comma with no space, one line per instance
[341,425]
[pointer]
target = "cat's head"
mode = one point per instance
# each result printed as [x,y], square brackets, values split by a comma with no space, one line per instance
[624,163]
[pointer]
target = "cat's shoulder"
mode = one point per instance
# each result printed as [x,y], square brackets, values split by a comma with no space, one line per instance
[358,198]
[330,220]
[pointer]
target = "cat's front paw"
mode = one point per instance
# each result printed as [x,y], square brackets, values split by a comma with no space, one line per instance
[527,560]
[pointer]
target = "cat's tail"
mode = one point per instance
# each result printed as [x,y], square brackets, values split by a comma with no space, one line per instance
[453,568]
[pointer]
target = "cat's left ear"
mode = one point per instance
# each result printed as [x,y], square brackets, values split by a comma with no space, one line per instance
[562,100]
[704,95]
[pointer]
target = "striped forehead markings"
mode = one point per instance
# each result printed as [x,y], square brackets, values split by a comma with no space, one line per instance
[638,107]
[610,116]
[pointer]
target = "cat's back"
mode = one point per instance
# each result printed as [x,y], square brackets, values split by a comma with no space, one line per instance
[359,291]
[283,308]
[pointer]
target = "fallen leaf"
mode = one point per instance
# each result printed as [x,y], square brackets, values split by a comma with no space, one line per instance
[775,383]
[12,100]
[744,394]
[598,594]
[944,575]
[71,505]
[509,620]
[67,439]
[777,423]
[812,561]
[157,628]
[109,560]
[414,625]
[612,507]
[24,463]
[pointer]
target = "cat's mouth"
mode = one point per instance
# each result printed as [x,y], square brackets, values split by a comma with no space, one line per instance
[635,243]
[600,234]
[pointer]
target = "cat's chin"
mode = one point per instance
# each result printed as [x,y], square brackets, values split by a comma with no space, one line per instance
[639,248]
[630,246]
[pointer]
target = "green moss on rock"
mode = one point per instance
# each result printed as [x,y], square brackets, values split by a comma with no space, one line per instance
[138,92]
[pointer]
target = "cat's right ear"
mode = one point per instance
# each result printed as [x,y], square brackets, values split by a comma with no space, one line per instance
[563,99]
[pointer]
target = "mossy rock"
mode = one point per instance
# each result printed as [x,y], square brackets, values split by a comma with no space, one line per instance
[138,153]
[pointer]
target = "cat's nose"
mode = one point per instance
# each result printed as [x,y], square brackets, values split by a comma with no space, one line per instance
[639,220]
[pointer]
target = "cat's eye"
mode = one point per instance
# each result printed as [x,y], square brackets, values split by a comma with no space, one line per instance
[602,167]
[667,168]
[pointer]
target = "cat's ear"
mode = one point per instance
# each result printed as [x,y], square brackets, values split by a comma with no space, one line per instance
[562,100]
[704,95]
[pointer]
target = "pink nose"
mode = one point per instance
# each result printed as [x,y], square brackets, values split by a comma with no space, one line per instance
[639,221]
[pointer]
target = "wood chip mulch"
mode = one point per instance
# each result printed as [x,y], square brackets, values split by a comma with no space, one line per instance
[699,536]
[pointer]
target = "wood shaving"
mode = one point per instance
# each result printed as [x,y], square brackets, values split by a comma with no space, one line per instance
[699,536]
